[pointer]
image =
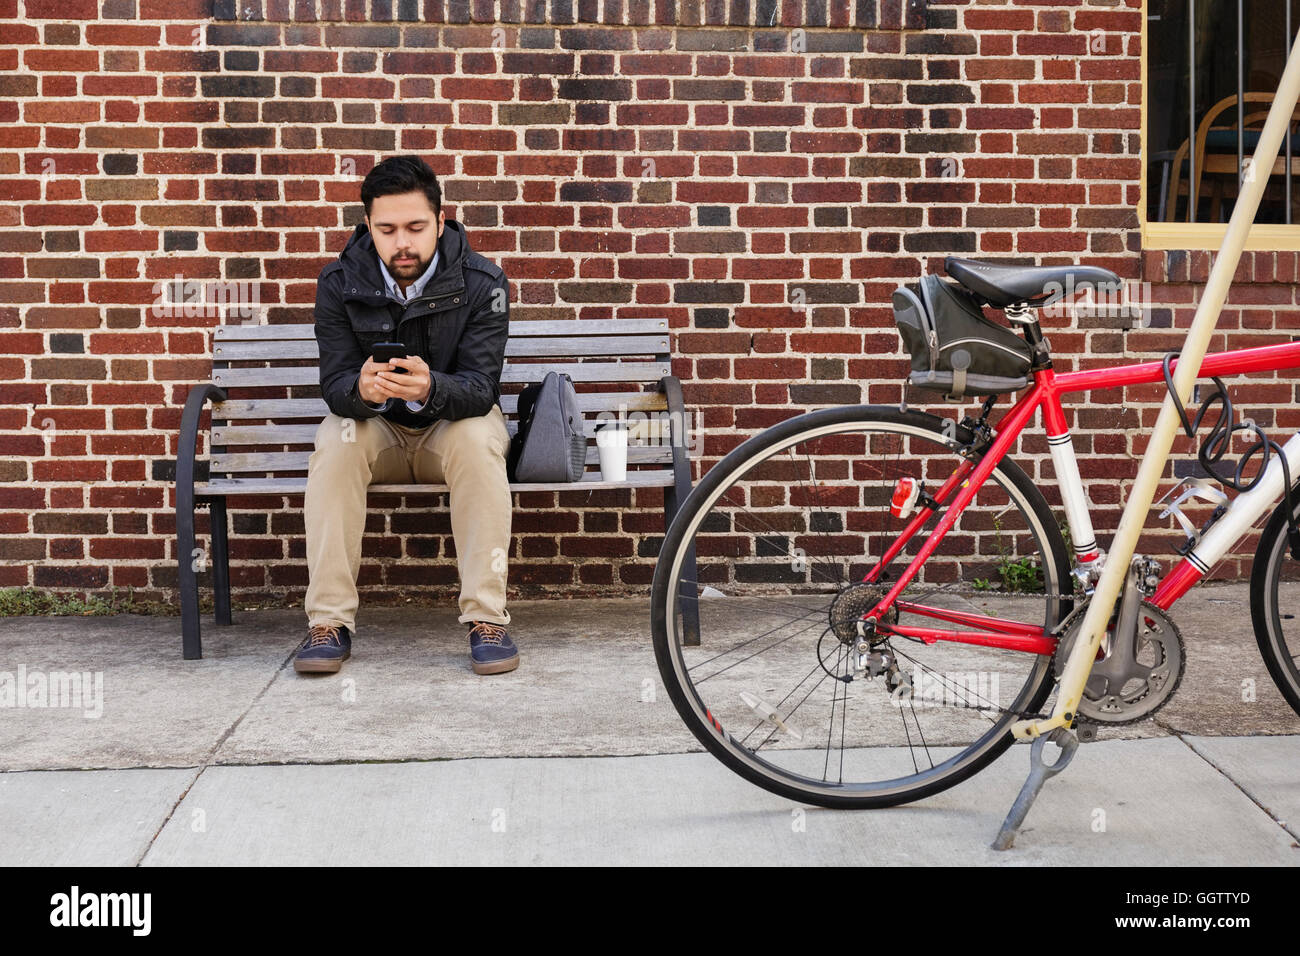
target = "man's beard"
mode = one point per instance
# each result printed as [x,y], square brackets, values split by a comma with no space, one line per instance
[413,269]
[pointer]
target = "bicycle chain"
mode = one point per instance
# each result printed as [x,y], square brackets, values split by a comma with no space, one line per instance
[1058,630]
[1079,718]
[975,593]
[1000,710]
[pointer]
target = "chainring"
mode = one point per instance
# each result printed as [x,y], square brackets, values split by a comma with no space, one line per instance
[1161,656]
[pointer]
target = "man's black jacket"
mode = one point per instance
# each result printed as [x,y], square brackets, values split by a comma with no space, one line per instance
[459,326]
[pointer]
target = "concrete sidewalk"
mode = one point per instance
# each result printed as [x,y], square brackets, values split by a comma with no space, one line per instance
[408,758]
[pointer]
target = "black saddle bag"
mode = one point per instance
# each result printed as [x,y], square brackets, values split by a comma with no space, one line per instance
[955,349]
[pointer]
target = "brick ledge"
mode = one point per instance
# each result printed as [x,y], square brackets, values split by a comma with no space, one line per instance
[1193,265]
[810,14]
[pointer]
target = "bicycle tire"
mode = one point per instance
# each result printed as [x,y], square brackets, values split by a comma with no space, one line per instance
[664,609]
[1266,608]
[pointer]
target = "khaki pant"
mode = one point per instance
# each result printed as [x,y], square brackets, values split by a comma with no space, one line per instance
[468,455]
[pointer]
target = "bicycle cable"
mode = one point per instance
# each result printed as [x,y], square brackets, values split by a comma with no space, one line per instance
[1216,444]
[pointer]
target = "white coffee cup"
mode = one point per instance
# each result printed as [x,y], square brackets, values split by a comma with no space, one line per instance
[611,443]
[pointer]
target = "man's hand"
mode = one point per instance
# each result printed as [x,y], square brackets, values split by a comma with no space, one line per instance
[381,381]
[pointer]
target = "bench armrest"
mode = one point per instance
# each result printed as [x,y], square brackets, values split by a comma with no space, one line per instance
[185,453]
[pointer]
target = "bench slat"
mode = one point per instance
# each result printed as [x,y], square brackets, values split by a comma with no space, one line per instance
[228,464]
[574,328]
[258,377]
[516,347]
[512,372]
[588,371]
[591,481]
[528,347]
[258,409]
[310,375]
[602,402]
[223,435]
[566,327]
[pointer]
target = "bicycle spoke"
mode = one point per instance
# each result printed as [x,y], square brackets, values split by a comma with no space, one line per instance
[948,684]
[920,733]
[830,726]
[844,719]
[844,715]
[758,637]
[826,675]
[908,734]
[755,654]
[779,534]
[774,602]
[824,536]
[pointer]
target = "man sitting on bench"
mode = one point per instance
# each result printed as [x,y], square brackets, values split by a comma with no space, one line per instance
[408,275]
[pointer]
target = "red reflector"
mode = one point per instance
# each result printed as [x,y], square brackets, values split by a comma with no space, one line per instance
[906,491]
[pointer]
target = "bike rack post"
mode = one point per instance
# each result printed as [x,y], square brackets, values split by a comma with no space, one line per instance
[1084,652]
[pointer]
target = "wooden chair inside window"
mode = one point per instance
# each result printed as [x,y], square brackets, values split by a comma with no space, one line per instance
[1216,155]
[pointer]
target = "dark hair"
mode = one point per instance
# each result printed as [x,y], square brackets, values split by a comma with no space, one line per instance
[401,174]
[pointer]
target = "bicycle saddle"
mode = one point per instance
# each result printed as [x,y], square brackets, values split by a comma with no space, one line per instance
[1001,285]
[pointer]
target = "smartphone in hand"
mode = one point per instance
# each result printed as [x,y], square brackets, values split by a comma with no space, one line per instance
[387,351]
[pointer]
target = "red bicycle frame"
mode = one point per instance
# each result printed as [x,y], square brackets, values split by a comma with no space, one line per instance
[970,476]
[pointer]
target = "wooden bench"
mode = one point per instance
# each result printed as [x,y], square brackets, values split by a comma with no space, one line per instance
[266,405]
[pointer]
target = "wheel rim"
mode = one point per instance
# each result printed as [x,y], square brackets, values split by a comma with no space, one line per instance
[1284,614]
[756,670]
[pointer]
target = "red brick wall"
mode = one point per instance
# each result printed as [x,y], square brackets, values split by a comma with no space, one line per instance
[832,151]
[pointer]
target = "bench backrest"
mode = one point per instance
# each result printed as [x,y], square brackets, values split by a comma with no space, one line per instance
[271,377]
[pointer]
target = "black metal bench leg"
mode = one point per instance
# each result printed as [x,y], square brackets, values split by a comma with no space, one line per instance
[674,497]
[220,561]
[687,586]
[690,602]
[187,577]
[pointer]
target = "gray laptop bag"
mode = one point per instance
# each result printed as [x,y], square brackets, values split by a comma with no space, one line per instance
[550,444]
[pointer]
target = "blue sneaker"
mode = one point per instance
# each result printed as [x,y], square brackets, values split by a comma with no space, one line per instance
[490,649]
[324,650]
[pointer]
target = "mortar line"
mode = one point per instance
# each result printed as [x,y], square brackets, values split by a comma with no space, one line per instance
[1227,776]
[208,757]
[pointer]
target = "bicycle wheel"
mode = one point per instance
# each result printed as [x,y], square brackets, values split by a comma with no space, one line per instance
[1275,605]
[784,529]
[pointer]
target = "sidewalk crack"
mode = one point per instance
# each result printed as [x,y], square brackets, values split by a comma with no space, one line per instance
[212,753]
[1288,830]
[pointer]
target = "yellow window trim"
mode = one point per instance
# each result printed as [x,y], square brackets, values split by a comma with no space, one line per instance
[1268,237]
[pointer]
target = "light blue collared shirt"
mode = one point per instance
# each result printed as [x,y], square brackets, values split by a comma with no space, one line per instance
[413,291]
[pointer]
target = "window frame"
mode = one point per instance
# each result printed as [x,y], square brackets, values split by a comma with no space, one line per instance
[1262,237]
